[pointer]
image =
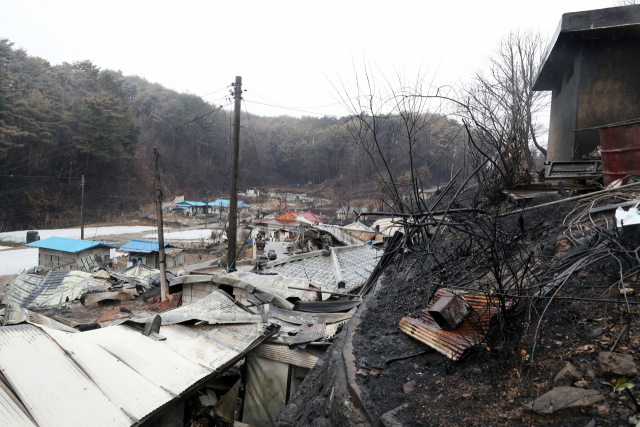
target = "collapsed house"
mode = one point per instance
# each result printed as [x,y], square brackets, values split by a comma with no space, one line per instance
[127,374]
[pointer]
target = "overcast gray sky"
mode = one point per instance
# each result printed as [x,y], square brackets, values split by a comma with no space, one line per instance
[287,52]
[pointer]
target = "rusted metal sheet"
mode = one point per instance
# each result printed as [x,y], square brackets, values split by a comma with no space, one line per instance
[620,144]
[309,334]
[452,343]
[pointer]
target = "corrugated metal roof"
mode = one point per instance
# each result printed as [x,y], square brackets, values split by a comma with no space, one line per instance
[141,274]
[186,203]
[355,265]
[346,236]
[215,308]
[90,262]
[114,376]
[50,385]
[282,353]
[141,246]
[278,285]
[11,414]
[225,408]
[452,343]
[58,287]
[65,244]
[309,333]
[119,381]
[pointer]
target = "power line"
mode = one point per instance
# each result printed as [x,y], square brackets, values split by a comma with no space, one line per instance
[251,133]
[295,109]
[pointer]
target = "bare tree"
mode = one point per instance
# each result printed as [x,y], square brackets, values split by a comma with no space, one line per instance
[501,105]
[392,123]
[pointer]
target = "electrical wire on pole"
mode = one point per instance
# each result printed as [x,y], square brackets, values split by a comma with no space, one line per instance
[235,154]
[164,289]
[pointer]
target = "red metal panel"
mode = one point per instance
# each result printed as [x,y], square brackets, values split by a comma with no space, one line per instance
[452,343]
[620,147]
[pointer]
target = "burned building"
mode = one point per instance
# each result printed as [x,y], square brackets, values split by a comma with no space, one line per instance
[592,68]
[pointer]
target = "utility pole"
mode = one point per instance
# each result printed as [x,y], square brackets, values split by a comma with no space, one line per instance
[235,154]
[164,289]
[206,211]
[82,211]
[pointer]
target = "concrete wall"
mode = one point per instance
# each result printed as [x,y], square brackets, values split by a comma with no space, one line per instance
[50,258]
[192,292]
[175,261]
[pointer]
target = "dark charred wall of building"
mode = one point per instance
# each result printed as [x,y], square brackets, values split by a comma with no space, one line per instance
[609,87]
[564,108]
[597,82]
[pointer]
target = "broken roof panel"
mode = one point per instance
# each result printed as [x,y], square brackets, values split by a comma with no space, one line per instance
[215,308]
[56,288]
[142,275]
[347,235]
[353,265]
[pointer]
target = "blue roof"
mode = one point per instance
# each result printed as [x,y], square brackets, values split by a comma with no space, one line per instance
[67,245]
[143,246]
[191,204]
[226,203]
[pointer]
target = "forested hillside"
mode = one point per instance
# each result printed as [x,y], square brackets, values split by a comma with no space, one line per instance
[59,122]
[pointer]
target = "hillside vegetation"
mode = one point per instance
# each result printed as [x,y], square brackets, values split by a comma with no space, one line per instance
[59,122]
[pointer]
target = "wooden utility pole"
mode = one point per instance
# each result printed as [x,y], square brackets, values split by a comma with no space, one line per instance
[82,211]
[164,289]
[235,154]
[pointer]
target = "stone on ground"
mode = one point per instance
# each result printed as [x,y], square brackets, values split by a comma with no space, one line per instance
[567,375]
[617,364]
[561,402]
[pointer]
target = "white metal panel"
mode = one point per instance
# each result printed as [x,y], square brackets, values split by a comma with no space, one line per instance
[197,347]
[10,413]
[122,385]
[52,388]
[151,359]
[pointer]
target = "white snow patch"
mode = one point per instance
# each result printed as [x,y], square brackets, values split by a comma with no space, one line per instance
[5,247]
[74,233]
[11,262]
[200,234]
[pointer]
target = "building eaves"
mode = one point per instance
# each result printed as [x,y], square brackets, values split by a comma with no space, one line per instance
[575,27]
